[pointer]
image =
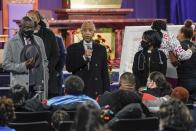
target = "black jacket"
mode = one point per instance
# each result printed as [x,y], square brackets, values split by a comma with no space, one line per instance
[187,68]
[96,79]
[52,53]
[145,63]
[62,52]
[131,111]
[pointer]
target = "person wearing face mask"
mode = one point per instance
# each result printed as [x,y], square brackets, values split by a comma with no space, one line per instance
[24,56]
[88,60]
[51,48]
[149,59]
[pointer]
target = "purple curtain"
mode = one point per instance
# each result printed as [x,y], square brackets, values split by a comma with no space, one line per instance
[50,5]
[175,11]
[182,10]
[142,8]
[0,4]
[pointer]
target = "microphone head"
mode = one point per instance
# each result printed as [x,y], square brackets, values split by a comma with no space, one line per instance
[89,46]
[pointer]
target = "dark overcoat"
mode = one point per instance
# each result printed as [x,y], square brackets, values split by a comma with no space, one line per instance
[96,78]
[52,53]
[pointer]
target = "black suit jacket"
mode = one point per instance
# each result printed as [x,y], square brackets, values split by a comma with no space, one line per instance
[96,79]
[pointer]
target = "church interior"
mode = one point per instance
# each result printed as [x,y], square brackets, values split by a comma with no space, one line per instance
[120,25]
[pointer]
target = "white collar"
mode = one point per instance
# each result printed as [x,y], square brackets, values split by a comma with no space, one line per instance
[86,43]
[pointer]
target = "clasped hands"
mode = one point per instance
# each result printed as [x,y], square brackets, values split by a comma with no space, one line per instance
[30,63]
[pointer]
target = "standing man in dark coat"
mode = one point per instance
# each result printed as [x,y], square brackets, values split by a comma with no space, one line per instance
[61,63]
[88,60]
[51,48]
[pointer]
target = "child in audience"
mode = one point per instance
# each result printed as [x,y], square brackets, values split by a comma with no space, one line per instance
[57,117]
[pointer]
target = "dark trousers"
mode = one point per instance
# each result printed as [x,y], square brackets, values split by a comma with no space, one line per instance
[189,84]
[60,79]
[31,91]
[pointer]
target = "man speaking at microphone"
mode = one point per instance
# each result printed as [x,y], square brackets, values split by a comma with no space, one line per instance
[88,60]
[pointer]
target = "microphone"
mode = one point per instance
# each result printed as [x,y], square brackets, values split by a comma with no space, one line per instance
[89,46]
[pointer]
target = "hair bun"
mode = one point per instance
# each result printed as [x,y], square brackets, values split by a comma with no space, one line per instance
[188,23]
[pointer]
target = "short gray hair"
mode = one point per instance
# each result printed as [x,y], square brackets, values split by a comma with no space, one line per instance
[88,23]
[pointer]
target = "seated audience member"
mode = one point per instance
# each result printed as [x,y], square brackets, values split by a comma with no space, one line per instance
[126,95]
[19,95]
[180,93]
[127,82]
[89,119]
[183,95]
[6,113]
[131,111]
[158,91]
[57,117]
[186,69]
[158,87]
[74,86]
[122,98]
[149,59]
[175,116]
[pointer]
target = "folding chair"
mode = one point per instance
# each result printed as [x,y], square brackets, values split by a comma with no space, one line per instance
[72,114]
[32,116]
[65,125]
[189,106]
[145,124]
[31,126]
